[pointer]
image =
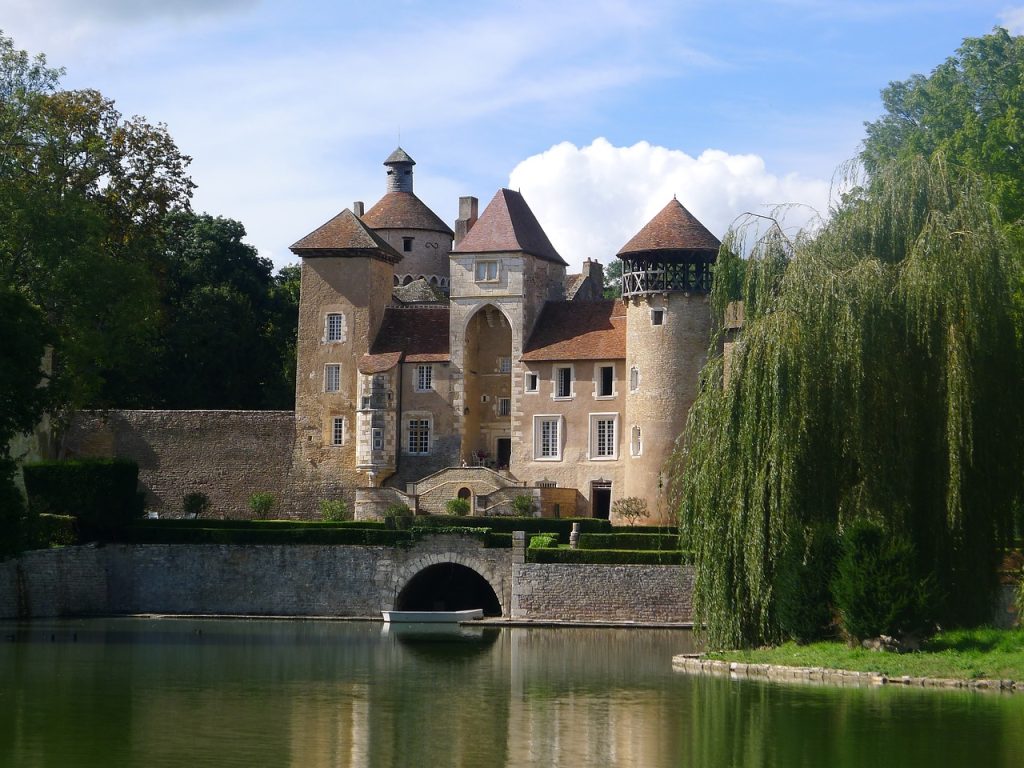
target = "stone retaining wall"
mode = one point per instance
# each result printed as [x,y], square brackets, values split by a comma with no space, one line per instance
[575,592]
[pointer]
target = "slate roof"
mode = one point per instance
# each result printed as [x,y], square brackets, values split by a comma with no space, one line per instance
[403,210]
[572,285]
[399,156]
[579,330]
[411,335]
[345,235]
[418,292]
[673,229]
[508,224]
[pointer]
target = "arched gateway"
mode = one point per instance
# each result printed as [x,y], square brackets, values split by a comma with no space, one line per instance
[450,581]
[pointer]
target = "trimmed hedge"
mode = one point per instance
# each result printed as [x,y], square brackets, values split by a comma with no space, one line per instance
[559,525]
[667,530]
[258,524]
[54,531]
[148,534]
[101,493]
[607,556]
[646,541]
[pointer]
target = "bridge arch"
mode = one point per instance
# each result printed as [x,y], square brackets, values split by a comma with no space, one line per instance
[432,581]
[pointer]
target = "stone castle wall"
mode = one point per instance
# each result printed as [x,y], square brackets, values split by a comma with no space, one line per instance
[228,455]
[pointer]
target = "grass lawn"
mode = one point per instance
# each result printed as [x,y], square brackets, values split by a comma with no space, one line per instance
[993,654]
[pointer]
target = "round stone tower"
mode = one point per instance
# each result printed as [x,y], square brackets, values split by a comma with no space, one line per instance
[410,227]
[666,279]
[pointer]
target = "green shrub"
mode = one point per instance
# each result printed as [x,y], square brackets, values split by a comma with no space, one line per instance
[264,525]
[334,510]
[502,524]
[803,586]
[648,541]
[608,556]
[195,504]
[399,510]
[101,493]
[543,541]
[523,505]
[262,504]
[148,532]
[876,587]
[457,507]
[54,531]
[15,520]
[631,509]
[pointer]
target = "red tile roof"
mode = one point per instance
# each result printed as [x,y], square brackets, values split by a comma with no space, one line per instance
[345,235]
[508,224]
[409,334]
[403,210]
[673,229]
[579,330]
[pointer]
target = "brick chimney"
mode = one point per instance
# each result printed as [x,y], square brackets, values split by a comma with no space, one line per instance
[595,272]
[468,207]
[357,208]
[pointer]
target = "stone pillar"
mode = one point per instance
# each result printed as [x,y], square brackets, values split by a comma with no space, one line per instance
[518,546]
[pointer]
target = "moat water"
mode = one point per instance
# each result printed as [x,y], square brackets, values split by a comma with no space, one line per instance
[136,692]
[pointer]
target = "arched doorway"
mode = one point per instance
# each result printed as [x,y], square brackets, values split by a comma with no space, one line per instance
[448,587]
[487,423]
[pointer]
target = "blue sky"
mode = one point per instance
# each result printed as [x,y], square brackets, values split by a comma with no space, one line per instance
[597,111]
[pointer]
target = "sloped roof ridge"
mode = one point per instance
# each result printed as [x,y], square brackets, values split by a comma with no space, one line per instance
[399,156]
[403,210]
[508,224]
[345,232]
[673,228]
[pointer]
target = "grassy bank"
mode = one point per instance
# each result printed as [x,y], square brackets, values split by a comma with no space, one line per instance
[992,654]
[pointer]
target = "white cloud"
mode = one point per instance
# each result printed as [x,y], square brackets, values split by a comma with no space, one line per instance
[1013,20]
[591,200]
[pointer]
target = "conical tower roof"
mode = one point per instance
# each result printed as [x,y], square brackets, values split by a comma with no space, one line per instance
[673,229]
[399,156]
[345,235]
[508,224]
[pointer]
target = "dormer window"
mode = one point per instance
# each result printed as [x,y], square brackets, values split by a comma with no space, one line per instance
[486,271]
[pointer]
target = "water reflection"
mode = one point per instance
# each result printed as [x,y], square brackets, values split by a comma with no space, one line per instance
[168,693]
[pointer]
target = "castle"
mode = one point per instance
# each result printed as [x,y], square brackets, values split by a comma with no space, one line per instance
[425,352]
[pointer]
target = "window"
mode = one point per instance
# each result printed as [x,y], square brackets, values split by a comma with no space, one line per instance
[377,439]
[419,436]
[563,381]
[605,381]
[424,377]
[602,436]
[332,378]
[338,431]
[504,406]
[486,271]
[634,379]
[532,382]
[635,445]
[407,244]
[547,444]
[504,365]
[657,317]
[334,328]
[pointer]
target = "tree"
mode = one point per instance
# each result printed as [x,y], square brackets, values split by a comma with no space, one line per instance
[971,108]
[83,193]
[23,336]
[878,376]
[613,279]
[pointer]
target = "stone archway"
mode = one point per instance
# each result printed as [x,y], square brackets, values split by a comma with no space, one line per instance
[487,362]
[468,570]
[448,587]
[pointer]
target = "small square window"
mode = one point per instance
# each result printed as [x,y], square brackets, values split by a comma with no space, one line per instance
[377,439]
[504,365]
[504,406]
[338,431]
[407,244]
[657,317]
[332,378]
[532,382]
[486,271]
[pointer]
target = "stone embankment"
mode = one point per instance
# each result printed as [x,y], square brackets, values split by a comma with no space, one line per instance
[736,670]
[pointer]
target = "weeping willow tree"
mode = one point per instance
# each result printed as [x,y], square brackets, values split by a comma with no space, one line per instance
[878,375]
